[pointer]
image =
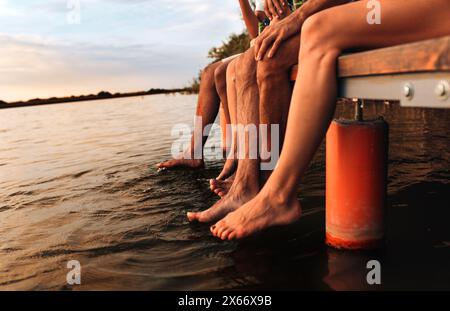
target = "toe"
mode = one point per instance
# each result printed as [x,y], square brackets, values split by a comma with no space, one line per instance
[215,228]
[212,229]
[219,227]
[161,165]
[232,236]
[192,216]
[167,164]
[204,216]
[220,231]
[213,184]
[241,232]
[225,234]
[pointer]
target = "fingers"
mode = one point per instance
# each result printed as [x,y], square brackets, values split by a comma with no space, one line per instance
[288,11]
[266,9]
[274,48]
[278,7]
[272,10]
[257,44]
[264,47]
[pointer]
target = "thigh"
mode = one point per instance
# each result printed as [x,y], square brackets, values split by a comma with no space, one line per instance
[221,71]
[402,21]
[230,58]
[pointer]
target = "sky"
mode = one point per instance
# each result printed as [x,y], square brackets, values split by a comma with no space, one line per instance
[73,47]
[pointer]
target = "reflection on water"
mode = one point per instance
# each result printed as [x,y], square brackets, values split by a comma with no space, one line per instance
[78,183]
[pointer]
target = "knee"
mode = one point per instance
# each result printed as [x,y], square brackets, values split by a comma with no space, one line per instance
[220,75]
[207,75]
[319,37]
[268,69]
[245,70]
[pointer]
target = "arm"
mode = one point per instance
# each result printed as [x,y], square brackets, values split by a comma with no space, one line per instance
[250,19]
[274,35]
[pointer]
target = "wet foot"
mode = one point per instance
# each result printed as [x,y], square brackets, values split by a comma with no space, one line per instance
[240,193]
[256,215]
[182,162]
[221,187]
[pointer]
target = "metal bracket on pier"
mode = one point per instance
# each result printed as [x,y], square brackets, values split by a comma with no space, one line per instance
[426,90]
[359,105]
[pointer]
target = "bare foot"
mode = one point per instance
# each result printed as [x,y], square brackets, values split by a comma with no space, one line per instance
[182,161]
[258,214]
[221,187]
[240,193]
[229,168]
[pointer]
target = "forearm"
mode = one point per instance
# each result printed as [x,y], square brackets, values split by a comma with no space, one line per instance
[250,19]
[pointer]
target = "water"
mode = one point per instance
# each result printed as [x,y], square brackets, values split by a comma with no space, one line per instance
[78,183]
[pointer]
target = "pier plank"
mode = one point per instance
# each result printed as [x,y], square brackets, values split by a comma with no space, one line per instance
[425,56]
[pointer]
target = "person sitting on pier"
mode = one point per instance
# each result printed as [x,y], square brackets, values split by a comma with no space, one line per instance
[328,28]
[212,95]
[223,182]
[263,92]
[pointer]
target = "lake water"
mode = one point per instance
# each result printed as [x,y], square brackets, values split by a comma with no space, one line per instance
[78,183]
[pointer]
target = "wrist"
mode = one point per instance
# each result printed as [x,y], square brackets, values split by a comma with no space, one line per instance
[299,17]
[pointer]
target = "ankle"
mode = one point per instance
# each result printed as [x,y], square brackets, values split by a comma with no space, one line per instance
[279,196]
[190,154]
[225,153]
[247,184]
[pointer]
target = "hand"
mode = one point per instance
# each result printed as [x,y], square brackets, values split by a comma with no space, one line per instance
[271,38]
[276,9]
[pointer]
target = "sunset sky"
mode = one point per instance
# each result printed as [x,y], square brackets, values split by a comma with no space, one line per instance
[119,45]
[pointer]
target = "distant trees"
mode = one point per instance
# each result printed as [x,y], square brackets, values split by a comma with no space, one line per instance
[100,95]
[104,94]
[195,84]
[235,44]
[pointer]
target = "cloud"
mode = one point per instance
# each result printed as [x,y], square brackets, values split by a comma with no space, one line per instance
[7,10]
[120,45]
[37,68]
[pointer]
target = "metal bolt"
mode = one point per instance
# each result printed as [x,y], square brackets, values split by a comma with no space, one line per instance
[359,104]
[442,90]
[408,90]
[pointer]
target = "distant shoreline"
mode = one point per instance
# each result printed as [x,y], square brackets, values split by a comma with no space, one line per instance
[101,95]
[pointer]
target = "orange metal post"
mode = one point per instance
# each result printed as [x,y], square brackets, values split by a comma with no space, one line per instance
[356,173]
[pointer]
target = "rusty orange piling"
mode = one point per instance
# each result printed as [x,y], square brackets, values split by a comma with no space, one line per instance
[356,179]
